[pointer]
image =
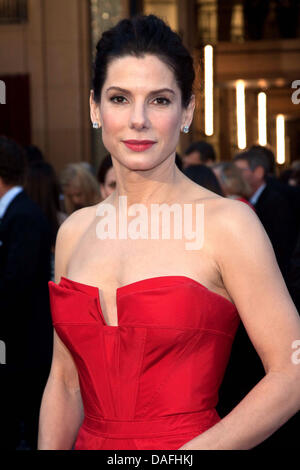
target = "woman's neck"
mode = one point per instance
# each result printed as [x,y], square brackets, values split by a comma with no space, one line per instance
[158,185]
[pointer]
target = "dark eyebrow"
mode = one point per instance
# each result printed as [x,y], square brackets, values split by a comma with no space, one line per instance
[154,92]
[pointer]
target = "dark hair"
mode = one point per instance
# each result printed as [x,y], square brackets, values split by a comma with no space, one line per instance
[259,149]
[205,149]
[204,176]
[254,159]
[12,161]
[33,153]
[285,175]
[178,161]
[41,185]
[142,35]
[104,166]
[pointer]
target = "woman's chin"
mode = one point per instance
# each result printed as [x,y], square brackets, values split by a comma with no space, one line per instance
[140,162]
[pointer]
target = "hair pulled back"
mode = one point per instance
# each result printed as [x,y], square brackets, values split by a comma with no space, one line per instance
[140,35]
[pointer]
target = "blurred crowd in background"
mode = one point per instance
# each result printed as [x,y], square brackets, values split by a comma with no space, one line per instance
[35,201]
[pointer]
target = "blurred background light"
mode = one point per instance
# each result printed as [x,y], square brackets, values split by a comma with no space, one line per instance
[280,138]
[208,90]
[262,118]
[241,114]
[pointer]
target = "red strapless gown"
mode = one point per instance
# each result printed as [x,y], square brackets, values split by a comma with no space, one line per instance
[152,381]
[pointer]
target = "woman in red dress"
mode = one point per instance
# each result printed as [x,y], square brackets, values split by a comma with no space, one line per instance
[144,323]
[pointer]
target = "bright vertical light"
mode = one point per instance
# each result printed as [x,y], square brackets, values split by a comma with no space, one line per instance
[280,138]
[262,118]
[241,114]
[208,90]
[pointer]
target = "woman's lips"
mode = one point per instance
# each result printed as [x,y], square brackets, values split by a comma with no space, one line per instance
[139,145]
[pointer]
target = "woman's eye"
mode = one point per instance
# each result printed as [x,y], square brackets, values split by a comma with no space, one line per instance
[162,100]
[118,99]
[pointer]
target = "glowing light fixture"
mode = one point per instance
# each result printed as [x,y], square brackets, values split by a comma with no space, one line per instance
[280,138]
[208,90]
[241,114]
[262,118]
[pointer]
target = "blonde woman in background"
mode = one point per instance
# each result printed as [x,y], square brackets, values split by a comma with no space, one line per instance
[233,184]
[79,186]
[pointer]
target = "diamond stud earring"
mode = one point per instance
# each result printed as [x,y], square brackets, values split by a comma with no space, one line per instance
[186,129]
[95,125]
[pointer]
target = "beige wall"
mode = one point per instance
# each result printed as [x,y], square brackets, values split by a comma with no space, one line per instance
[166,9]
[53,48]
[13,49]
[258,59]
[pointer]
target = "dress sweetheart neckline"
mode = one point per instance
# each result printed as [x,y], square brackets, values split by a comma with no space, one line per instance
[128,287]
[132,288]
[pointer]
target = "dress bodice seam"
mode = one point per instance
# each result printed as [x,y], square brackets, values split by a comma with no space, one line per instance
[155,327]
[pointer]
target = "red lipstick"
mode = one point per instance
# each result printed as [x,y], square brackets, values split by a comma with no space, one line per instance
[139,145]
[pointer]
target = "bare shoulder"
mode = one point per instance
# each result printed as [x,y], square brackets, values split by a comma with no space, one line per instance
[76,223]
[234,231]
[231,212]
[68,235]
[225,213]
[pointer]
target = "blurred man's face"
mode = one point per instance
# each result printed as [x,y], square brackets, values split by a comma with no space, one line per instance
[193,158]
[246,171]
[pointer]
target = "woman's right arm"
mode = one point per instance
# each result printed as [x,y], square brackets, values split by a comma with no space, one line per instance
[61,412]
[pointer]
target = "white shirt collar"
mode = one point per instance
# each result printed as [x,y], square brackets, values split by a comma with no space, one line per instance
[8,197]
[253,199]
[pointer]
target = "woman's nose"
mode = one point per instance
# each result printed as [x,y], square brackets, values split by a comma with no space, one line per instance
[138,117]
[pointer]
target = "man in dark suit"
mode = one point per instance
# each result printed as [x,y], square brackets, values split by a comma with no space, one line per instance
[25,319]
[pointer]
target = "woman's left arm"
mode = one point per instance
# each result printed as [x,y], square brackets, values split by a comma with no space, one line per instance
[251,275]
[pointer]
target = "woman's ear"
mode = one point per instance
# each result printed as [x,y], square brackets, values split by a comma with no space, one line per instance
[188,113]
[94,110]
